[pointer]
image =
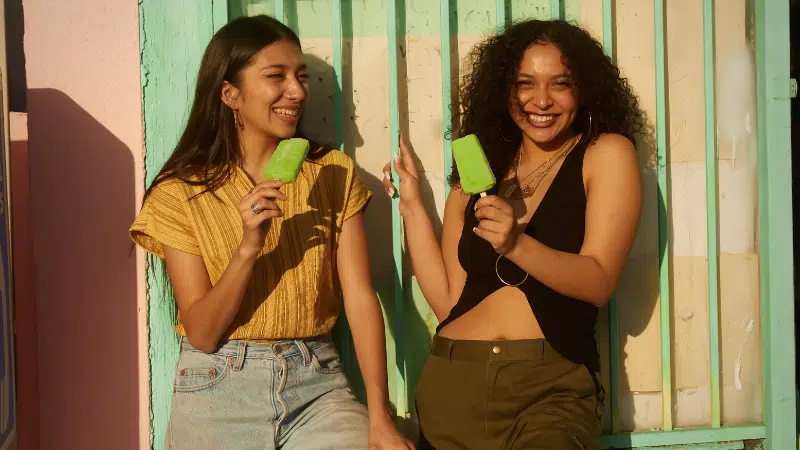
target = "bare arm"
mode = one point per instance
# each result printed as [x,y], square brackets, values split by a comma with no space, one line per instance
[613,206]
[206,311]
[439,274]
[366,325]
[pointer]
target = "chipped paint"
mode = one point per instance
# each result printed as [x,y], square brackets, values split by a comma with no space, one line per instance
[748,326]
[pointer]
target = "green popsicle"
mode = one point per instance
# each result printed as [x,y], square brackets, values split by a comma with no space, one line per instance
[285,163]
[473,167]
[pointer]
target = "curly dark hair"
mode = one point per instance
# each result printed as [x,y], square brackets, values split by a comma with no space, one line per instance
[486,89]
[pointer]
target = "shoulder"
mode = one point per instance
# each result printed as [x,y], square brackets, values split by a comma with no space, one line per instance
[611,163]
[337,158]
[170,187]
[610,153]
[609,146]
[195,186]
[338,168]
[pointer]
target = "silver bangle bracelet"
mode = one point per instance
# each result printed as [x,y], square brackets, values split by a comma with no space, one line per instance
[497,271]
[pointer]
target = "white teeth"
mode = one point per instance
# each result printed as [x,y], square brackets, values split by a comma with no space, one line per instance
[539,118]
[286,112]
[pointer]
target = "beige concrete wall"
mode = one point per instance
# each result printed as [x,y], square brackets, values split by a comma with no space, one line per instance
[738,263]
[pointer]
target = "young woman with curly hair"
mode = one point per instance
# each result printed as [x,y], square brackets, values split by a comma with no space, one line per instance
[520,274]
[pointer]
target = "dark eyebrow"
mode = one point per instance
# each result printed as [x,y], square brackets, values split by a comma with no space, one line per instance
[285,67]
[561,75]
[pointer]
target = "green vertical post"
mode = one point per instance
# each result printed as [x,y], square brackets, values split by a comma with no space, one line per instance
[338,126]
[711,210]
[447,103]
[613,322]
[556,10]
[280,11]
[397,246]
[663,227]
[219,11]
[608,28]
[500,16]
[775,217]
[167,90]
[338,64]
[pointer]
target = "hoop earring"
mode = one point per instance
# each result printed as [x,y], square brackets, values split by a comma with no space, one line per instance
[503,135]
[589,131]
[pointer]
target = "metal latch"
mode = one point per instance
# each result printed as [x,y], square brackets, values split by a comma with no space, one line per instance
[784,88]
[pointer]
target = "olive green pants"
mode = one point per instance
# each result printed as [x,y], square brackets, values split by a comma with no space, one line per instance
[506,395]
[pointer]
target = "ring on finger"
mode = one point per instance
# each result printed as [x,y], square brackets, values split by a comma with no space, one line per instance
[256,208]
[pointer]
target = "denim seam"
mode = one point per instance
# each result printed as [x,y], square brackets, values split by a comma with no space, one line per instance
[279,396]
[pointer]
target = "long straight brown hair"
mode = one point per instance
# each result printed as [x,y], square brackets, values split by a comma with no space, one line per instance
[208,151]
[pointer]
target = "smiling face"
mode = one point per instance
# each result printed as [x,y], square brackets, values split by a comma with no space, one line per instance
[544,102]
[271,91]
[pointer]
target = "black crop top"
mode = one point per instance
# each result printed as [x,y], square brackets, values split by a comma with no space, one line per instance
[559,223]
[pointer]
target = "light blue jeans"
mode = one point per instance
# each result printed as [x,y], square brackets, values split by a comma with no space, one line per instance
[288,395]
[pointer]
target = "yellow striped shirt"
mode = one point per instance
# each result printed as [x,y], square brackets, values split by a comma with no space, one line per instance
[293,292]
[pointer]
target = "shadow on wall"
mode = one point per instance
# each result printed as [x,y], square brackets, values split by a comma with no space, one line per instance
[637,292]
[82,202]
[318,125]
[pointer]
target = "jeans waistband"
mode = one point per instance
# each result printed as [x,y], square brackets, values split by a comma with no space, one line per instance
[237,351]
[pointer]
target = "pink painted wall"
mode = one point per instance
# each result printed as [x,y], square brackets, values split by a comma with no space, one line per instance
[86,172]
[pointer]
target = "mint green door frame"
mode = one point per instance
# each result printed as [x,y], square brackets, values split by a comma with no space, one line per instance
[167,89]
[775,213]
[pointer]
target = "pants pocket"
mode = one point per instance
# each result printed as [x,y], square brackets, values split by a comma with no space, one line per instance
[197,371]
[325,359]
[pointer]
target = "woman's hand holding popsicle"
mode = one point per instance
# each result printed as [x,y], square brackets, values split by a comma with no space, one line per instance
[496,223]
[257,210]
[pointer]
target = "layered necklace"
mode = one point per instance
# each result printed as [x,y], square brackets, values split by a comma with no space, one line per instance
[520,188]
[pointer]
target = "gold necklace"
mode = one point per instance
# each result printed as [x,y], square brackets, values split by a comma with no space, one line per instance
[528,189]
